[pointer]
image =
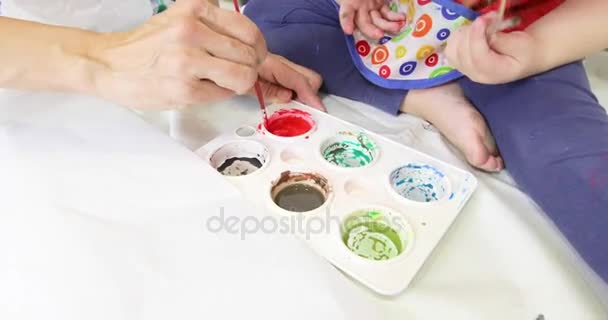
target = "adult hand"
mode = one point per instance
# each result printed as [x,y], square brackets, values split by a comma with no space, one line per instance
[192,53]
[282,79]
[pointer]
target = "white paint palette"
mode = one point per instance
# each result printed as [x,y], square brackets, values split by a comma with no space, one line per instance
[372,207]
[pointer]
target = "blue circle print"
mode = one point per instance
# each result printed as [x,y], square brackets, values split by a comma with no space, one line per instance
[448,14]
[443,34]
[384,40]
[407,68]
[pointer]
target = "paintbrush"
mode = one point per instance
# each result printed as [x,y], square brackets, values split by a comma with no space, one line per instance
[257,88]
[500,23]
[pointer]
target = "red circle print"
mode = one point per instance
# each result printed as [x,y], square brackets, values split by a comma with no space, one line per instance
[423,2]
[380,55]
[423,26]
[385,72]
[432,60]
[363,48]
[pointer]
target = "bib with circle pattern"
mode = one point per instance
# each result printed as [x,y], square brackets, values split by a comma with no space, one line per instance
[413,58]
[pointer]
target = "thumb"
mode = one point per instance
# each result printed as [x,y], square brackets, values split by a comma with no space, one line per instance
[347,18]
[509,44]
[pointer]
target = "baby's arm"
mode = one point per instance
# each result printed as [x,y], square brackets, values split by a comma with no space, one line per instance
[572,31]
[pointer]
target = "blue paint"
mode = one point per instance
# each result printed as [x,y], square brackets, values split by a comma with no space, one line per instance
[420,183]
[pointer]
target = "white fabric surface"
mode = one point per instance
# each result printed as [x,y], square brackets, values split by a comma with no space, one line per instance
[102,217]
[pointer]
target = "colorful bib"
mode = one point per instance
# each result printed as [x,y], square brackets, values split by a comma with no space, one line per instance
[412,59]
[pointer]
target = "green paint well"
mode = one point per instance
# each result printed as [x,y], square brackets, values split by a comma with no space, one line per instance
[350,150]
[368,234]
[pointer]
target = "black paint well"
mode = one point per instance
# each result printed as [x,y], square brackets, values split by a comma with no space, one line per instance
[239,158]
[239,166]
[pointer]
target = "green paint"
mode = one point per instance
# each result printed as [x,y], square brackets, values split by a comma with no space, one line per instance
[367,234]
[161,6]
[394,7]
[440,71]
[402,35]
[350,151]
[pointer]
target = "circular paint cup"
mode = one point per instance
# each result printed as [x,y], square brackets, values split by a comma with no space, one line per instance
[300,191]
[240,158]
[377,234]
[419,183]
[350,150]
[289,124]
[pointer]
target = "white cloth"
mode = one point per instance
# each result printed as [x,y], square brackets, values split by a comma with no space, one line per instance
[103,217]
[96,15]
[502,258]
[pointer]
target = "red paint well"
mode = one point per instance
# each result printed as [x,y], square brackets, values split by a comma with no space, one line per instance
[290,123]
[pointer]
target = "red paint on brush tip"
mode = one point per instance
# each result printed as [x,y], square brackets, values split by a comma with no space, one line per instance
[290,123]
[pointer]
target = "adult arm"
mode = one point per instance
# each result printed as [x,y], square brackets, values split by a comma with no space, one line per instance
[192,53]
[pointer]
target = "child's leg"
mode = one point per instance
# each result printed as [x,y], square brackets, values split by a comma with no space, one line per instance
[308,32]
[553,136]
[454,116]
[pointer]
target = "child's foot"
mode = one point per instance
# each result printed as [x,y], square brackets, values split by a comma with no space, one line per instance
[450,112]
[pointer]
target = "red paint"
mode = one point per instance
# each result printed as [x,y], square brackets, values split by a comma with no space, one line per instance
[290,123]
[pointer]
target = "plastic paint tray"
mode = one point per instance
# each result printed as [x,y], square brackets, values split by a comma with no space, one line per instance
[384,206]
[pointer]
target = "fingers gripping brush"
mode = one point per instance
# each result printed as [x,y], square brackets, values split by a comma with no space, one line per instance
[257,88]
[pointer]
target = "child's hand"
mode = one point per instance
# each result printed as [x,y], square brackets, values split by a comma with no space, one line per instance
[372,17]
[491,57]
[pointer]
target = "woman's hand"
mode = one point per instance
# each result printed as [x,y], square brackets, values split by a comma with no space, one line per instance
[192,53]
[282,80]
[196,53]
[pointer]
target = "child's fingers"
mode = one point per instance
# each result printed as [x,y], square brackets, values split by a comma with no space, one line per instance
[478,40]
[347,18]
[384,24]
[464,49]
[452,49]
[390,15]
[364,23]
